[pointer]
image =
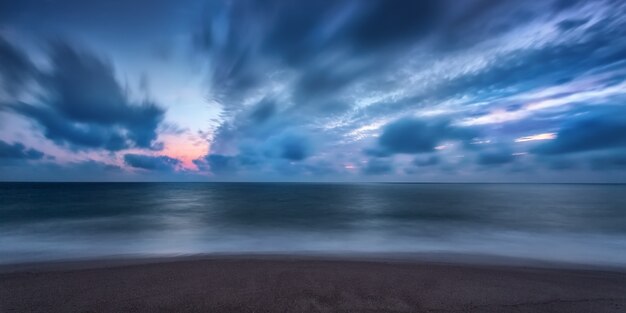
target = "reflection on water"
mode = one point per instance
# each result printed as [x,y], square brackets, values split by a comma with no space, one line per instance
[579,223]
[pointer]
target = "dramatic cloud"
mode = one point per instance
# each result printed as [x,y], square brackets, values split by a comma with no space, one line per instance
[153,163]
[291,147]
[601,128]
[332,90]
[273,152]
[86,108]
[246,38]
[342,70]
[219,164]
[18,151]
[16,69]
[378,167]
[430,161]
[611,161]
[412,136]
[495,157]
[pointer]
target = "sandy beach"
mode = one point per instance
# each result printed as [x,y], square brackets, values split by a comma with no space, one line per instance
[305,284]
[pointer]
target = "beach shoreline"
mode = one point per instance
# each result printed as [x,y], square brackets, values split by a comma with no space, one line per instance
[310,283]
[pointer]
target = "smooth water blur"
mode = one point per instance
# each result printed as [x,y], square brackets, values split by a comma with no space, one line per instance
[575,223]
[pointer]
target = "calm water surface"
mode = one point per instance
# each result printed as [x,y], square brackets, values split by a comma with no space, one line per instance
[576,223]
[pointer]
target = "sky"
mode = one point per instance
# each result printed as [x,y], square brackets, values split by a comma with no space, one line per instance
[341,90]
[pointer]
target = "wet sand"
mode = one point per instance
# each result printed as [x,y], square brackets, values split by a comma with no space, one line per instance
[306,284]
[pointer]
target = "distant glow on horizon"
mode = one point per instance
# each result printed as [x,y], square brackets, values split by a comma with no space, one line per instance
[184,149]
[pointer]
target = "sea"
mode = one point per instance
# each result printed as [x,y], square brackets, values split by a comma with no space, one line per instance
[575,223]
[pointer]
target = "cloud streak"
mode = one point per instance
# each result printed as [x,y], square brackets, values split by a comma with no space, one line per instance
[151,163]
[85,107]
[17,151]
[352,90]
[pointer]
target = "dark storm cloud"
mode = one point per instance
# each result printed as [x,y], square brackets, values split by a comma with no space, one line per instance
[58,129]
[385,23]
[84,106]
[276,152]
[122,20]
[153,163]
[293,147]
[15,68]
[220,164]
[245,36]
[302,86]
[305,57]
[331,44]
[263,111]
[411,135]
[470,22]
[499,157]
[595,50]
[89,169]
[18,151]
[254,125]
[325,46]
[294,33]
[429,161]
[598,129]
[260,136]
[377,167]
[560,163]
[613,160]
[550,65]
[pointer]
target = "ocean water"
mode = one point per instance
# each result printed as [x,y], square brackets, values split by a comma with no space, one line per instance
[572,223]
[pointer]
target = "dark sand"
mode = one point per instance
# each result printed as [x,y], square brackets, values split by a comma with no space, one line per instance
[299,284]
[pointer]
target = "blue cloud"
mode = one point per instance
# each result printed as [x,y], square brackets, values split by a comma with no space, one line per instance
[495,157]
[613,160]
[292,147]
[255,156]
[378,167]
[560,163]
[17,151]
[571,24]
[299,86]
[153,163]
[219,164]
[15,68]
[598,129]
[410,135]
[293,33]
[263,111]
[530,68]
[429,161]
[325,57]
[86,108]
